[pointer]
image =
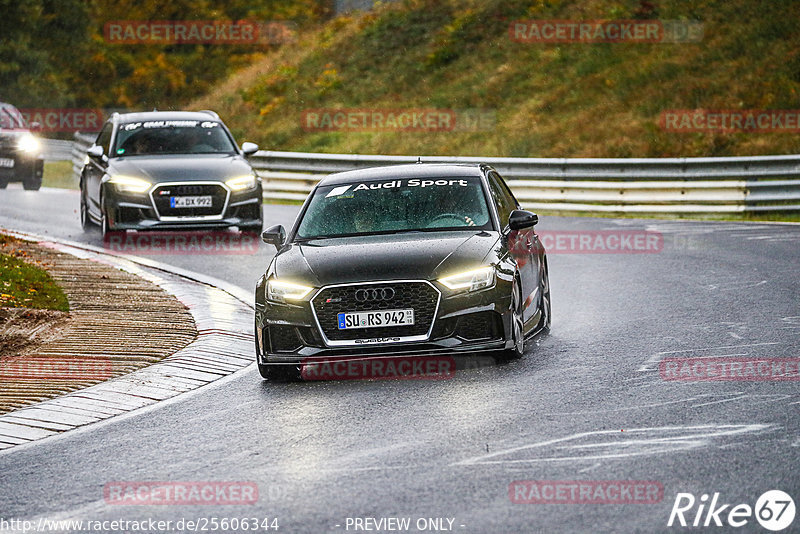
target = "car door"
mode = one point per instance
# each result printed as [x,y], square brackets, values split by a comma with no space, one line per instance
[522,244]
[95,169]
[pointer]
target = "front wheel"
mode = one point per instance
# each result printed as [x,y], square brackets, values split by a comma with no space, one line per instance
[277,373]
[254,229]
[544,307]
[273,373]
[517,325]
[32,183]
[105,226]
[86,222]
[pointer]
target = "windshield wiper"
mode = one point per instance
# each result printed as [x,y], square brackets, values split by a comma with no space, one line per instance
[315,238]
[389,232]
[437,229]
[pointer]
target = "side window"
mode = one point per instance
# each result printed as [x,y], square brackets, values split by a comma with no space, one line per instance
[505,201]
[104,139]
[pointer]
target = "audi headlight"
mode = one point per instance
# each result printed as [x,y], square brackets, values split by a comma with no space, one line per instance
[129,184]
[240,183]
[28,143]
[470,280]
[280,291]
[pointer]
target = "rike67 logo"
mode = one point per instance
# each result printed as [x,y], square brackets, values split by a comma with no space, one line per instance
[774,510]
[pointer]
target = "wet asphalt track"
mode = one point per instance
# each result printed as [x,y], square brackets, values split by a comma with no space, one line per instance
[586,403]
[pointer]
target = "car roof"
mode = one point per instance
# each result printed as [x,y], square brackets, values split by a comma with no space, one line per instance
[10,109]
[7,106]
[168,116]
[415,170]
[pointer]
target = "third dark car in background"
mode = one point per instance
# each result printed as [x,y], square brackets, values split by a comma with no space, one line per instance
[20,150]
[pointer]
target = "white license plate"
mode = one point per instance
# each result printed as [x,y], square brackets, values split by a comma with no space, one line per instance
[7,163]
[190,202]
[375,319]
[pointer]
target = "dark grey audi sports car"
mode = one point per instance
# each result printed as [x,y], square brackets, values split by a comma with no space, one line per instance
[408,260]
[169,170]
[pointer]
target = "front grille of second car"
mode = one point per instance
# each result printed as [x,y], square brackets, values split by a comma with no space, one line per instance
[162,202]
[419,296]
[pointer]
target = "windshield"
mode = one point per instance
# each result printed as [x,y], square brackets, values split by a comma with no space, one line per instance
[172,137]
[398,205]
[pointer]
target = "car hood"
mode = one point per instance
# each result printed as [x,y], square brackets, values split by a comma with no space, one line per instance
[195,167]
[384,257]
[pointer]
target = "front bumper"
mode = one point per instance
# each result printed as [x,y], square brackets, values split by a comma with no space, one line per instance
[464,323]
[130,211]
[25,167]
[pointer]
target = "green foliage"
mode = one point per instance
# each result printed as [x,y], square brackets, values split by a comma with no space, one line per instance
[54,52]
[550,100]
[38,43]
[23,285]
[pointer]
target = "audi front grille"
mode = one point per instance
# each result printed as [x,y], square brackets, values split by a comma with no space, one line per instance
[163,192]
[422,297]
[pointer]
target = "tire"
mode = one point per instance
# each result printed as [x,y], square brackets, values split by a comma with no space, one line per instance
[273,373]
[544,307]
[86,221]
[517,325]
[3,184]
[32,183]
[254,229]
[105,228]
[278,373]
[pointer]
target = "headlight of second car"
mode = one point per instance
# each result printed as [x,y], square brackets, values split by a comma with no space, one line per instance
[129,184]
[242,183]
[470,280]
[281,291]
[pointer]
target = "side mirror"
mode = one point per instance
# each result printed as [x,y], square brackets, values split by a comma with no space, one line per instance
[249,148]
[520,219]
[36,127]
[95,151]
[275,235]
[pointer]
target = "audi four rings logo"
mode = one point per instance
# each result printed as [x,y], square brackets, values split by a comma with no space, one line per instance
[374,293]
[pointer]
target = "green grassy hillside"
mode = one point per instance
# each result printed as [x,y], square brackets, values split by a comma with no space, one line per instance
[548,100]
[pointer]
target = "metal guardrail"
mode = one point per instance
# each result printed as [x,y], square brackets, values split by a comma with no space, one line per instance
[56,149]
[79,147]
[653,185]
